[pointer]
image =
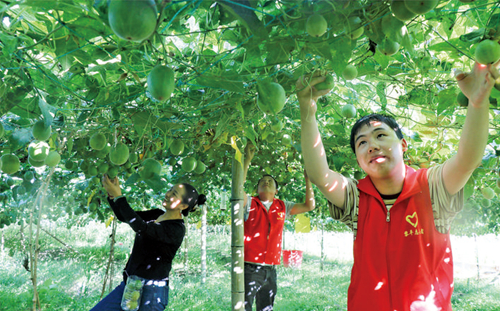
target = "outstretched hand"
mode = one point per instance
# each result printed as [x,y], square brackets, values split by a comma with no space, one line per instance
[112,186]
[307,94]
[249,151]
[477,85]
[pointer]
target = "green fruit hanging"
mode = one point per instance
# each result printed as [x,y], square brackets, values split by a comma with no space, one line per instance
[161,82]
[133,20]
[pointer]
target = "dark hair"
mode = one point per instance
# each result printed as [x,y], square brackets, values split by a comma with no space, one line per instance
[275,182]
[374,117]
[192,199]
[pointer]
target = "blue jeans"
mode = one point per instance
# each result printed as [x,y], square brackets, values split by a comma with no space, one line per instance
[154,298]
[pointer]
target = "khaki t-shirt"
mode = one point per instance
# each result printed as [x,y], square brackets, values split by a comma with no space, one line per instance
[444,206]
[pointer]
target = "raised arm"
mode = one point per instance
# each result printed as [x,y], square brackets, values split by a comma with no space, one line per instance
[330,183]
[249,153]
[477,86]
[309,204]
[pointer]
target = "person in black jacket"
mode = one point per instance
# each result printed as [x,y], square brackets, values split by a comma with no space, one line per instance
[159,235]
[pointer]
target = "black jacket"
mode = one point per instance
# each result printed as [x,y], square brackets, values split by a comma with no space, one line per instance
[155,244]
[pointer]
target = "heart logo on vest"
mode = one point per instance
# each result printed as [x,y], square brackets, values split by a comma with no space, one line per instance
[412,219]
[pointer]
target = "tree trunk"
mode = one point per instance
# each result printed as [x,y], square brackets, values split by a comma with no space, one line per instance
[203,243]
[237,237]
[109,271]
[322,259]
[186,220]
[34,248]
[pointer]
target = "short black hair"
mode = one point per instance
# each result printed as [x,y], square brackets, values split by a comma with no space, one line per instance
[192,198]
[275,182]
[374,117]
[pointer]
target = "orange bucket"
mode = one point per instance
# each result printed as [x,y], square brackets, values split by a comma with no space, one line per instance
[292,258]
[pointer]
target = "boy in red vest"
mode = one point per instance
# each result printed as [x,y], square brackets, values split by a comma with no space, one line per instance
[264,217]
[400,217]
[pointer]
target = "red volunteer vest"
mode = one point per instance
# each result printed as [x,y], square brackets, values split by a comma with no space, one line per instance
[263,232]
[403,264]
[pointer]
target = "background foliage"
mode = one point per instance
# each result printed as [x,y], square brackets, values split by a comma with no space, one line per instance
[61,63]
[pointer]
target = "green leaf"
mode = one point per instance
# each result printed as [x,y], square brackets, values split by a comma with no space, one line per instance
[20,138]
[446,99]
[392,28]
[133,179]
[47,116]
[10,44]
[219,82]
[144,122]
[381,94]
[279,52]
[251,134]
[342,52]
[155,183]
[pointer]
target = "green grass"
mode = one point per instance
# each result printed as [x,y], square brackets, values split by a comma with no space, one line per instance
[73,281]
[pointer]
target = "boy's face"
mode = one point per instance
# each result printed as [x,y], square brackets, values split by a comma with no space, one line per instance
[267,184]
[379,151]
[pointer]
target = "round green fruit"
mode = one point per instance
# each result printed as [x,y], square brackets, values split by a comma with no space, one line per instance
[112,172]
[316,25]
[161,82]
[388,47]
[103,168]
[137,284]
[200,167]
[462,100]
[177,147]
[38,150]
[271,138]
[20,190]
[135,295]
[98,141]
[119,154]
[271,97]
[488,193]
[10,182]
[69,165]
[358,175]
[485,202]
[10,163]
[131,305]
[487,52]
[189,164]
[286,140]
[354,28]
[53,158]
[40,131]
[92,171]
[133,157]
[400,11]
[350,72]
[420,6]
[326,84]
[28,176]
[276,125]
[133,20]
[172,161]
[150,167]
[348,111]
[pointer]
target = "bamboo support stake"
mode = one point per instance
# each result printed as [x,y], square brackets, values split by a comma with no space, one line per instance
[203,243]
[237,238]
[34,247]
[109,273]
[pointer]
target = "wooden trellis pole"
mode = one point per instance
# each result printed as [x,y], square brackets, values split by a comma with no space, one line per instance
[237,238]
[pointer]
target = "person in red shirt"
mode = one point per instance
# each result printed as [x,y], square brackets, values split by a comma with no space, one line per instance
[264,217]
[400,216]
